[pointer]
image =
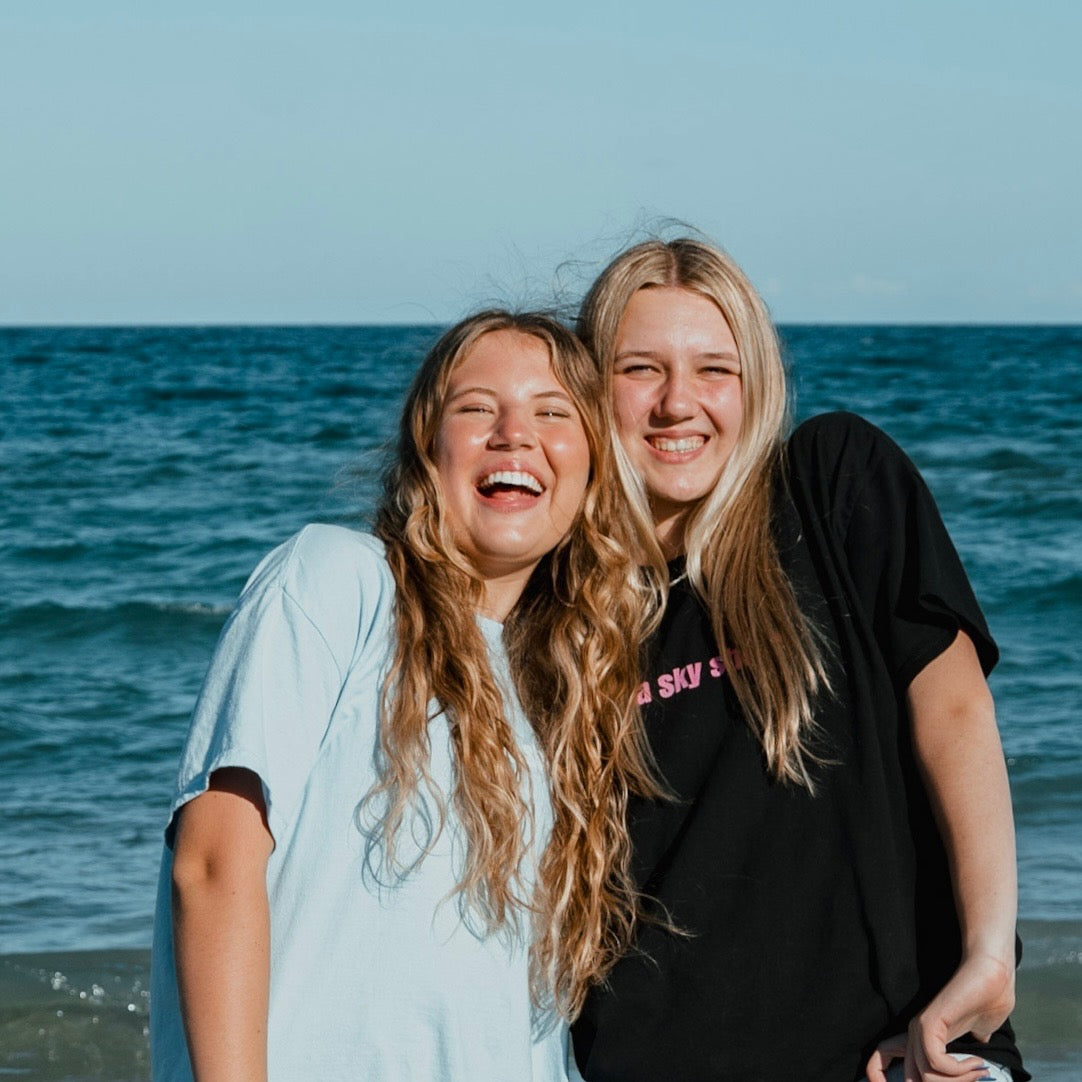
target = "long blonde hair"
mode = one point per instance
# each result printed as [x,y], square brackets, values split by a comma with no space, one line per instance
[732,560]
[573,648]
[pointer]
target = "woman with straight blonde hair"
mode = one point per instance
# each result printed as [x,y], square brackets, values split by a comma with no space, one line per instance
[376,866]
[834,882]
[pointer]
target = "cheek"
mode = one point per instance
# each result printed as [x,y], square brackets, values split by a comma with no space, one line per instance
[443,460]
[451,462]
[574,457]
[452,449]
[627,408]
[726,407]
[571,460]
[735,408]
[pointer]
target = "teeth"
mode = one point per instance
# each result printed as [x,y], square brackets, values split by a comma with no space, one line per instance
[687,443]
[512,477]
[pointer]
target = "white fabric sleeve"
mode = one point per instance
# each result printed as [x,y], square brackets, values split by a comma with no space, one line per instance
[277,673]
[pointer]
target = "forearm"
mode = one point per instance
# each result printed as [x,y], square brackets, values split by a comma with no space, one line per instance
[221,928]
[959,753]
[221,934]
[978,832]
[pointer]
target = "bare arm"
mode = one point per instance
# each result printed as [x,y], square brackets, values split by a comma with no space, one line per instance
[221,927]
[961,761]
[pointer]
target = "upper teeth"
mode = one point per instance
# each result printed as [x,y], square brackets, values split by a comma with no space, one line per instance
[687,443]
[512,477]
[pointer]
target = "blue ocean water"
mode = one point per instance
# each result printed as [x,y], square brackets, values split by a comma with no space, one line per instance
[143,472]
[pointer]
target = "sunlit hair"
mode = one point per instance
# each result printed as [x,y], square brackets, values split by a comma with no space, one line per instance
[732,560]
[574,653]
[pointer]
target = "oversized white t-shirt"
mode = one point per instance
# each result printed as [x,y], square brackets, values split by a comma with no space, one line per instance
[373,976]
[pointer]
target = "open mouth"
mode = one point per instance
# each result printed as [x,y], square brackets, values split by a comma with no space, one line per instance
[676,446]
[509,483]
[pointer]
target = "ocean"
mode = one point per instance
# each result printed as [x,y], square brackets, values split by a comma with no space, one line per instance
[146,470]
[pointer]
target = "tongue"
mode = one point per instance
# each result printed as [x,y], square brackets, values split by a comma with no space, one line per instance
[505,491]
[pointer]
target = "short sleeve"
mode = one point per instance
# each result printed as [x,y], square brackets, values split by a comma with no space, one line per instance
[277,673]
[903,566]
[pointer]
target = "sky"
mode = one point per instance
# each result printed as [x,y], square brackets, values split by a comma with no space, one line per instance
[241,162]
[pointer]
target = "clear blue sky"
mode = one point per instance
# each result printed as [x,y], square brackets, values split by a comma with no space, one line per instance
[238,162]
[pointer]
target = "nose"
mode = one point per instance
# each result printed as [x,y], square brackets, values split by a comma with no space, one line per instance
[513,428]
[676,400]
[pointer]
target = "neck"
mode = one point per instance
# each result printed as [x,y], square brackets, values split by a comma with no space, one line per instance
[670,535]
[502,593]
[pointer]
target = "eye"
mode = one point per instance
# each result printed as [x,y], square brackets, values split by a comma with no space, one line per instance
[554,411]
[640,369]
[728,368]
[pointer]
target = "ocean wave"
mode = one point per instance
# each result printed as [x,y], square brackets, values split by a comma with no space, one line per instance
[195,394]
[66,551]
[75,1016]
[1024,504]
[1061,595]
[84,1014]
[1048,1016]
[1007,459]
[130,616]
[343,390]
[335,433]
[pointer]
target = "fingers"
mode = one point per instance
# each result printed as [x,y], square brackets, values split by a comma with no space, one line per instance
[886,1052]
[927,1058]
[919,1065]
[950,1067]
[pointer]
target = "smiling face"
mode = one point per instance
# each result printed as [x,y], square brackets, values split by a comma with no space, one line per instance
[513,460]
[677,399]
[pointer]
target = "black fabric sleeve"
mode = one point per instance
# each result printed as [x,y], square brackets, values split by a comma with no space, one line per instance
[903,567]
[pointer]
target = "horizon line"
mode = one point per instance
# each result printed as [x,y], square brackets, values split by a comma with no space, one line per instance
[336,324]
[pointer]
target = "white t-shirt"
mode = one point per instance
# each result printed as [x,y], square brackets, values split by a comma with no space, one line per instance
[373,976]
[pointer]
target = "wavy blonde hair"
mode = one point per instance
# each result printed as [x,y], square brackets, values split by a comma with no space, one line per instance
[573,648]
[732,560]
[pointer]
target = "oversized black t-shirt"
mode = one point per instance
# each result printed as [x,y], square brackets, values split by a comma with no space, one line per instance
[812,925]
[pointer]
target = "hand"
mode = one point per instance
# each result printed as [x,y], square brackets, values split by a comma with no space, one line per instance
[977,1000]
[895,1048]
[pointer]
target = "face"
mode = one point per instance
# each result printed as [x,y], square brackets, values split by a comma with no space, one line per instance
[513,460]
[678,398]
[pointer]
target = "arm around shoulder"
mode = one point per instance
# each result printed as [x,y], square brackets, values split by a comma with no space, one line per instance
[221,927]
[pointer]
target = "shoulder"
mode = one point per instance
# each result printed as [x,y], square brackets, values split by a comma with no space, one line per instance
[837,461]
[839,439]
[335,578]
[321,554]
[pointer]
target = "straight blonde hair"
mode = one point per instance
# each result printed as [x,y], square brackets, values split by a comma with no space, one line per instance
[732,559]
[573,648]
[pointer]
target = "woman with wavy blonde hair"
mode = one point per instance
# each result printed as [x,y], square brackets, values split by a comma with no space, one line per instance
[377,866]
[840,855]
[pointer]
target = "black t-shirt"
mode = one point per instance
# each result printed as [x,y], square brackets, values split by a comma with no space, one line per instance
[813,926]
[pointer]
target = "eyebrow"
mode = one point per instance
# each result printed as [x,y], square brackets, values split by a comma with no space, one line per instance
[562,395]
[654,355]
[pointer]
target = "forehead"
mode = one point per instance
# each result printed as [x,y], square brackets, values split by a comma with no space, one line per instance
[671,317]
[506,360]
[502,349]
